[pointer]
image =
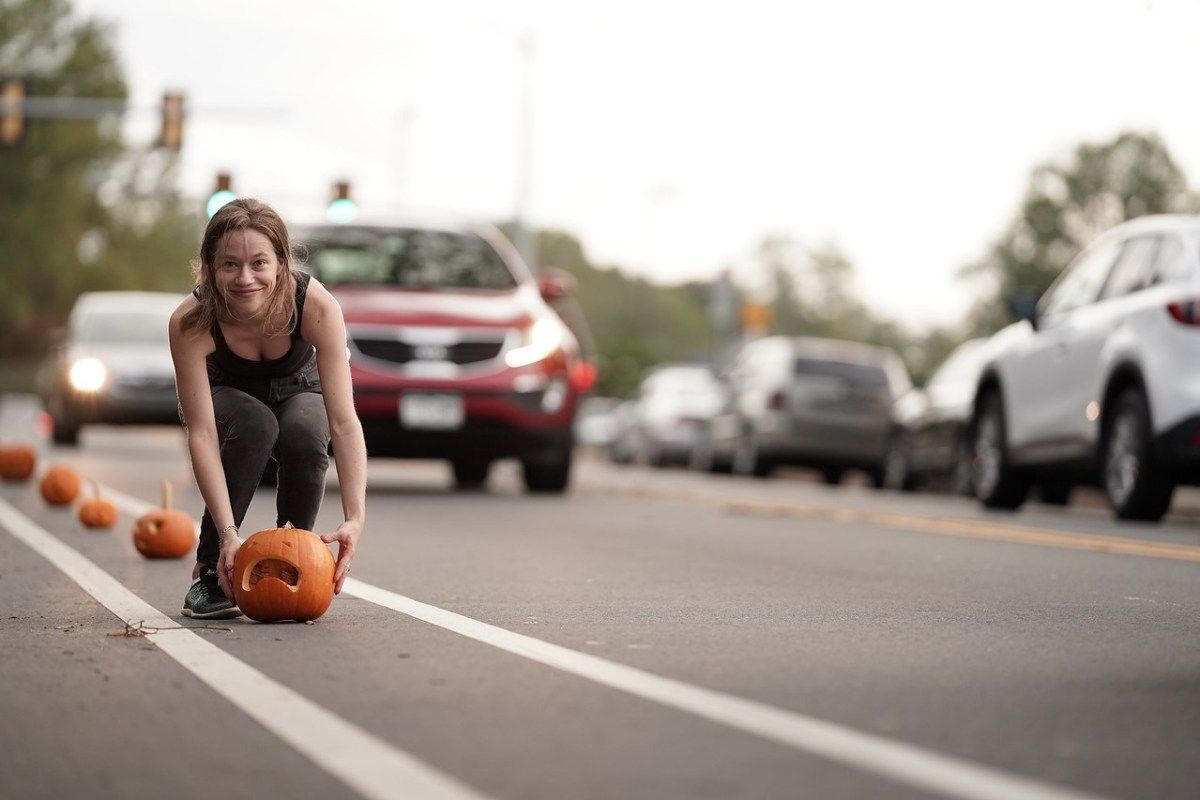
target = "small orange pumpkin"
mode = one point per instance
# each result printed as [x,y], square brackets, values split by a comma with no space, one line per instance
[283,573]
[163,532]
[60,485]
[17,462]
[97,512]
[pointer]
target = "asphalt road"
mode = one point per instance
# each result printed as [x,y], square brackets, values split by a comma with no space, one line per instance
[815,642]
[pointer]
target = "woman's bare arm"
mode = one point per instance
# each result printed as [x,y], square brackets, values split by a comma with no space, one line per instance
[325,328]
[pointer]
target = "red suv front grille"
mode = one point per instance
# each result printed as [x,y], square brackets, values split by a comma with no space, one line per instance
[404,352]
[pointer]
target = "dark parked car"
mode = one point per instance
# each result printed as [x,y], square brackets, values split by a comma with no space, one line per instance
[931,438]
[455,350]
[113,365]
[807,402]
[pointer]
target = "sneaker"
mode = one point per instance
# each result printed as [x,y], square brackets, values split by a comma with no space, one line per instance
[205,600]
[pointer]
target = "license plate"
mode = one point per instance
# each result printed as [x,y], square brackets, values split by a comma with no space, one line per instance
[431,411]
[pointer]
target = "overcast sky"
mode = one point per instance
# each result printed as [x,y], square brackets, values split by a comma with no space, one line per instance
[671,138]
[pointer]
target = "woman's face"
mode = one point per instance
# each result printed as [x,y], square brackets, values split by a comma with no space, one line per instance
[246,271]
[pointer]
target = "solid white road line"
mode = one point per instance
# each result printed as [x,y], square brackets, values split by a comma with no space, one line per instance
[365,763]
[903,763]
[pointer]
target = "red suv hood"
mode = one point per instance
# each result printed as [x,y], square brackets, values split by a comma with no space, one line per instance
[385,306]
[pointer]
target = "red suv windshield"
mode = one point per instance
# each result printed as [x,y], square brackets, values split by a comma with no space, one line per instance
[406,258]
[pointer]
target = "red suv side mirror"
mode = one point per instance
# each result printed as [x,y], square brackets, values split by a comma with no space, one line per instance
[555,284]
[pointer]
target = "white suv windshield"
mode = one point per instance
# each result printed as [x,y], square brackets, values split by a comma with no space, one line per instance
[407,258]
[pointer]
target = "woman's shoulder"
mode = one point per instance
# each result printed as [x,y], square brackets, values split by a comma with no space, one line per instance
[321,310]
[182,335]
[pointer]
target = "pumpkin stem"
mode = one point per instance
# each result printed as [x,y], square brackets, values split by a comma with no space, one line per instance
[288,524]
[95,487]
[166,492]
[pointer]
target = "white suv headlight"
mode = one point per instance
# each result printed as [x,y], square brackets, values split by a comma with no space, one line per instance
[538,342]
[87,374]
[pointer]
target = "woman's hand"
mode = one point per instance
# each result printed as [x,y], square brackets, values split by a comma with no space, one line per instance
[230,542]
[346,537]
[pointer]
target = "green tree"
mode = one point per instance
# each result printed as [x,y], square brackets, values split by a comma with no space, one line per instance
[57,237]
[1068,204]
[635,323]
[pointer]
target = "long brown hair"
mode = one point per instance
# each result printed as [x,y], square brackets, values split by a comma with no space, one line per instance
[279,311]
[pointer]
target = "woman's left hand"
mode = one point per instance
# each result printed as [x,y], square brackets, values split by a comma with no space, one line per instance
[346,537]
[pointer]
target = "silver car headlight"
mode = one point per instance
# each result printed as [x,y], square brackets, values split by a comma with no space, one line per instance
[87,374]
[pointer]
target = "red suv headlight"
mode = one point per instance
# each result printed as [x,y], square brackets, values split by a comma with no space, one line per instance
[538,342]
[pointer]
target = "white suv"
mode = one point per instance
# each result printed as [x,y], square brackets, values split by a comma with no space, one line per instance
[1101,379]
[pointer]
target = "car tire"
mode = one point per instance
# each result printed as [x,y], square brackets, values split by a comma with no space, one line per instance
[1137,486]
[832,476]
[896,473]
[548,474]
[748,459]
[1055,492]
[470,474]
[997,484]
[962,481]
[66,431]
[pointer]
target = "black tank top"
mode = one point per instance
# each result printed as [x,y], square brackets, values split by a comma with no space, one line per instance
[224,361]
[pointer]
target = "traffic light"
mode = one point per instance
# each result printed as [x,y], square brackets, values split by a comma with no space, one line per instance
[341,208]
[12,112]
[221,195]
[171,135]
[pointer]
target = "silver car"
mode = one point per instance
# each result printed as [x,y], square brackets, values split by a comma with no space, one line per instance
[113,365]
[807,402]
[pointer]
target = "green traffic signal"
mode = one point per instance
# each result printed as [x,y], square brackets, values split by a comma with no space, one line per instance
[218,199]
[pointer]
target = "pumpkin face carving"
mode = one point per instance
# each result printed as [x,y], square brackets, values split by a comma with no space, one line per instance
[283,573]
[164,533]
[60,485]
[97,512]
[17,462]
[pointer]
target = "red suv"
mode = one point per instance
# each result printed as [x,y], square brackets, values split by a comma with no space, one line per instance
[455,349]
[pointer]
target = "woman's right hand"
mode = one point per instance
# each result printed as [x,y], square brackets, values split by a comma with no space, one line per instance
[229,546]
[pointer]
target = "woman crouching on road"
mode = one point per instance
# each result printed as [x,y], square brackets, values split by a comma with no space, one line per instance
[261,371]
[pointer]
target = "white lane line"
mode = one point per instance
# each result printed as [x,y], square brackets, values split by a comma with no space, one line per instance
[901,762]
[365,763]
[904,763]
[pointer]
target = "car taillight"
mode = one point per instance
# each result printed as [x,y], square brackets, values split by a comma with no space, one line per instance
[1185,311]
[777,401]
[583,376]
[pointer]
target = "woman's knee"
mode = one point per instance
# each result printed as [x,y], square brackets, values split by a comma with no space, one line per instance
[242,417]
[304,430]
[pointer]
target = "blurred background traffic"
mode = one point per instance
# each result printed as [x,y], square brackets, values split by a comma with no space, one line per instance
[790,239]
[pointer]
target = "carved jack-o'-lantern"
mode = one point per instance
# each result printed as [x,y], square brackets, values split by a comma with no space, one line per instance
[60,485]
[283,573]
[97,512]
[163,532]
[17,462]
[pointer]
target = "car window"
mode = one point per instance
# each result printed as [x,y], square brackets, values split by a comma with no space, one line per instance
[1082,281]
[408,258]
[1172,263]
[858,376]
[1135,267]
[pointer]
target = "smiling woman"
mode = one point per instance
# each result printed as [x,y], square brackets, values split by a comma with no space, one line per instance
[260,364]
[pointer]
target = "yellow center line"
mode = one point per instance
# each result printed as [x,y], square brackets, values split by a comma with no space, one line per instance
[946,526]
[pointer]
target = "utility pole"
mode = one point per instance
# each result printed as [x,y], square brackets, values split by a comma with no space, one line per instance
[525,241]
[402,152]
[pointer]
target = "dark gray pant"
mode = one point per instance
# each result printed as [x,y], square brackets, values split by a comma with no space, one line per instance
[295,432]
